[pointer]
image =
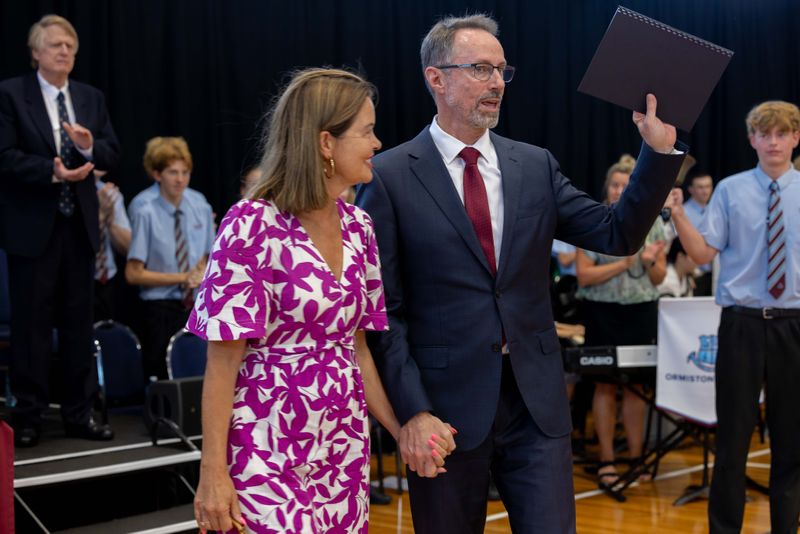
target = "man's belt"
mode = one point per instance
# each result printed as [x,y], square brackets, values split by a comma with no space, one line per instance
[767,313]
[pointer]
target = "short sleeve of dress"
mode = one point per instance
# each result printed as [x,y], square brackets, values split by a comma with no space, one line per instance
[233,300]
[374,316]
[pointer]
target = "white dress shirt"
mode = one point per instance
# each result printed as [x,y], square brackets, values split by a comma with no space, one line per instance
[489,166]
[50,95]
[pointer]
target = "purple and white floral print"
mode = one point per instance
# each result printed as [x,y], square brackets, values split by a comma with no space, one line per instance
[298,445]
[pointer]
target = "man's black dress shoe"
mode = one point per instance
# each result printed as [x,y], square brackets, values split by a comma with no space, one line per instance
[26,436]
[90,430]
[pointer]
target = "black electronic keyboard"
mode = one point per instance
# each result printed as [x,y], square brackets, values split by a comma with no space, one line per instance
[610,361]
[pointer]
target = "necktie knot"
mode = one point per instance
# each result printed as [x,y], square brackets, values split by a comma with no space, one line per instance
[470,155]
[775,187]
[178,214]
[60,97]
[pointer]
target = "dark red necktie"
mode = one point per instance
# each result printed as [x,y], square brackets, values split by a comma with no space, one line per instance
[477,204]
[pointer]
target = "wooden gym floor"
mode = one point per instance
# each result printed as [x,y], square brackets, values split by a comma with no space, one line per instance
[649,507]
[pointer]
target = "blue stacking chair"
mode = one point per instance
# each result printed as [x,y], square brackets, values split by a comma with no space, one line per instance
[119,365]
[186,355]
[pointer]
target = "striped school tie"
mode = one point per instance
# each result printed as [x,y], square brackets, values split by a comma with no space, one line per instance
[776,243]
[100,259]
[182,257]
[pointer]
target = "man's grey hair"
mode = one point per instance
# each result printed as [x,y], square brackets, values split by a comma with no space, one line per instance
[437,46]
[36,33]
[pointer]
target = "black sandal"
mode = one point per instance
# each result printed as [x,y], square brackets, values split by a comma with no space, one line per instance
[603,481]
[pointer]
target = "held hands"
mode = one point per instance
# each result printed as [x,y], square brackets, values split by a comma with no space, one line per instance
[659,136]
[424,442]
[216,506]
[81,136]
[439,449]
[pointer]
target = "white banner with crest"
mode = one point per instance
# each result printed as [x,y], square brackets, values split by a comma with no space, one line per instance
[687,353]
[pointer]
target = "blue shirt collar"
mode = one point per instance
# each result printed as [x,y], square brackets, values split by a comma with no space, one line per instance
[164,204]
[784,180]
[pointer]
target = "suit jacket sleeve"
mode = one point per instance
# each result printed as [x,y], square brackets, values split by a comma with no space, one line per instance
[398,370]
[618,230]
[24,167]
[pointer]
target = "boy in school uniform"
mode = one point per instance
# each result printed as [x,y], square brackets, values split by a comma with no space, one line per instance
[753,223]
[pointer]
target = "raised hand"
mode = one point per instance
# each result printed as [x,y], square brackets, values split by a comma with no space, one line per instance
[81,136]
[659,136]
[675,202]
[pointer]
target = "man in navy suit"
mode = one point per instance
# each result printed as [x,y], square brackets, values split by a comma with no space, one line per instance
[53,132]
[465,220]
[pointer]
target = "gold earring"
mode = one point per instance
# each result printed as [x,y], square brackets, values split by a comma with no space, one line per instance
[333,169]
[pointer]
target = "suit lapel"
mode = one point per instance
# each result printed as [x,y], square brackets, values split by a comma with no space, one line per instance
[511,176]
[428,167]
[38,111]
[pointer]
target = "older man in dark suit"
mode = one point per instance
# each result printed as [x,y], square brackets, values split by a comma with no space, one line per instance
[53,133]
[465,220]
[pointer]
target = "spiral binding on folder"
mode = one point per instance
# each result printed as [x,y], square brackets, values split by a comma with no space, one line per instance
[674,31]
[651,57]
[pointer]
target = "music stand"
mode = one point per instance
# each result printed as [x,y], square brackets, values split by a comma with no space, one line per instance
[622,367]
[606,361]
[695,492]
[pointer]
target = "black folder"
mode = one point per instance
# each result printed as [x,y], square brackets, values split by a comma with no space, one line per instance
[639,55]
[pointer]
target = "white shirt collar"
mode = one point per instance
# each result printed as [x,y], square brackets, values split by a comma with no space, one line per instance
[49,90]
[449,147]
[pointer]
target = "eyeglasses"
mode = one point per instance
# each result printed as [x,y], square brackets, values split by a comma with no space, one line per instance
[484,71]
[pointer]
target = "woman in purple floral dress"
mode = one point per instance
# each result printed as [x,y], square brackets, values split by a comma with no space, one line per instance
[292,283]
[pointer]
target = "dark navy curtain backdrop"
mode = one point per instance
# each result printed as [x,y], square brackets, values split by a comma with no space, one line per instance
[208,69]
